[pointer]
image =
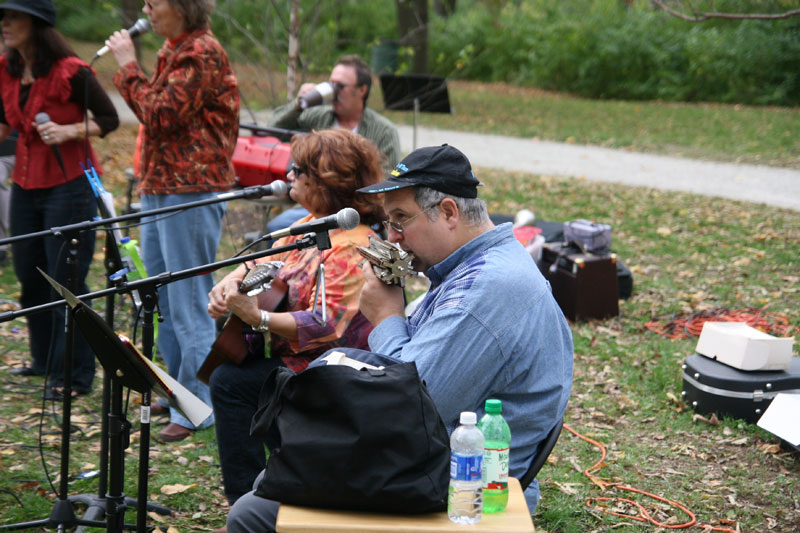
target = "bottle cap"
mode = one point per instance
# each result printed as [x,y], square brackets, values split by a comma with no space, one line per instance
[124,240]
[468,417]
[493,406]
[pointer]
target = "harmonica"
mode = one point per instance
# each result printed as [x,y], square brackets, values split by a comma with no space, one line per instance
[390,263]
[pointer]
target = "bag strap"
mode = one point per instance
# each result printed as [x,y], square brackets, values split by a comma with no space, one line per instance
[269,400]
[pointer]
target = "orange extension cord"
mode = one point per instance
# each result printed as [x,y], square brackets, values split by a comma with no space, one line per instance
[643,515]
[682,326]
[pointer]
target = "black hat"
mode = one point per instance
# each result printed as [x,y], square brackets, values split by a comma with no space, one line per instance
[43,9]
[443,168]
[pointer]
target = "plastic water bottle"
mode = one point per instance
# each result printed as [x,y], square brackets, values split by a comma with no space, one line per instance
[497,437]
[464,502]
[129,252]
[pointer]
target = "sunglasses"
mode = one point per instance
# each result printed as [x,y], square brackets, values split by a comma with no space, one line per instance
[297,171]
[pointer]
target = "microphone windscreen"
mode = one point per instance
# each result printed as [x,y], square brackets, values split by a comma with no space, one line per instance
[348,218]
[279,188]
[42,117]
[140,26]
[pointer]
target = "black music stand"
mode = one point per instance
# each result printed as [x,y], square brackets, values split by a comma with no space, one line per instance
[415,92]
[127,367]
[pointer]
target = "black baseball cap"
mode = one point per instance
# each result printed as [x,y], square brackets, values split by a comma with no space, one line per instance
[43,9]
[443,168]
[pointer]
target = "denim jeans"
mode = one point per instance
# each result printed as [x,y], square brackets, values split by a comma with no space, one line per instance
[170,244]
[35,210]
[235,391]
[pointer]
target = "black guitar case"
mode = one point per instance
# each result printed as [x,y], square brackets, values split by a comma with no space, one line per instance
[713,387]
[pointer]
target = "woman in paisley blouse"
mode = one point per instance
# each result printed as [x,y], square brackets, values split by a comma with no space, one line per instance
[189,115]
[328,167]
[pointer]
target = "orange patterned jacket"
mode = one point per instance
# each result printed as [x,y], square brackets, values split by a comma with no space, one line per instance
[189,110]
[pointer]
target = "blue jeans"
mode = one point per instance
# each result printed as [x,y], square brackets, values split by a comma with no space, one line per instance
[169,244]
[36,210]
[235,391]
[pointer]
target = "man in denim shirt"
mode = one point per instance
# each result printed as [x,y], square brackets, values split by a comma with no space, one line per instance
[488,326]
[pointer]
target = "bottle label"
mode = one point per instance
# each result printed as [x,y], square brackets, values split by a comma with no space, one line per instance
[465,467]
[495,468]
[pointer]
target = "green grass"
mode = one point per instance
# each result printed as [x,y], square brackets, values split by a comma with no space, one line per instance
[686,254]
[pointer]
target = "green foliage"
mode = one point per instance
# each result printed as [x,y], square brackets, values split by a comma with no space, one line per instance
[259,29]
[88,20]
[601,49]
[594,48]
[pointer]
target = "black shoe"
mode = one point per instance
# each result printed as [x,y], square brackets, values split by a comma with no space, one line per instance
[56,394]
[25,371]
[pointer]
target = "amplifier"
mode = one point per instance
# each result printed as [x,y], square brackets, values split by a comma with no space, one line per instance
[584,285]
[260,160]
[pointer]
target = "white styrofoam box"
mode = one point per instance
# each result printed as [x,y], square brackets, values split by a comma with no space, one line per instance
[741,346]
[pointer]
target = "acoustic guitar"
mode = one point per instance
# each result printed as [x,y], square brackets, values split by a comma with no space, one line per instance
[230,346]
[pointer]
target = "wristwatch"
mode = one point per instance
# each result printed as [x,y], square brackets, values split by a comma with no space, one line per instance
[263,326]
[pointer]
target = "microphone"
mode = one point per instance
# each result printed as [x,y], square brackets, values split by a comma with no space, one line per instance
[277,188]
[139,27]
[41,118]
[347,218]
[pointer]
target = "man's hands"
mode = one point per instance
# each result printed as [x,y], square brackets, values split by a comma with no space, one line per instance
[121,46]
[378,300]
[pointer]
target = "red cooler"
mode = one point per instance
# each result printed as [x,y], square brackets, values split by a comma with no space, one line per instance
[260,160]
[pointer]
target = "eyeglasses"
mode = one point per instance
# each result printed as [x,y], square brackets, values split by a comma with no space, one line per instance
[297,171]
[339,86]
[399,227]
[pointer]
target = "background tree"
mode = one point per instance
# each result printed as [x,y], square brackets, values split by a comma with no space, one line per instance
[412,25]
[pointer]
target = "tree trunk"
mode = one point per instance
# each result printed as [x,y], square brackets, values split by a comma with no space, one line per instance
[412,25]
[294,52]
[444,8]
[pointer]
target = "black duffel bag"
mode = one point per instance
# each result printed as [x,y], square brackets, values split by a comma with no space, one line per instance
[342,438]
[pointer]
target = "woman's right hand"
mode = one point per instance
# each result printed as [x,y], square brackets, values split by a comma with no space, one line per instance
[121,46]
[217,306]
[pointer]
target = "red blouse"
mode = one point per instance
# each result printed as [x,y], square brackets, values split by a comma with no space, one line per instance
[36,166]
[190,113]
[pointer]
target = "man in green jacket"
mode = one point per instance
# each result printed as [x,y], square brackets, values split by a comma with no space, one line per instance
[351,79]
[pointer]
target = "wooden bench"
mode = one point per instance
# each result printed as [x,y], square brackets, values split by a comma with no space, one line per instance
[515,519]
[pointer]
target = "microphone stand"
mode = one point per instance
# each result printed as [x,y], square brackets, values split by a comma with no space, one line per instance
[63,514]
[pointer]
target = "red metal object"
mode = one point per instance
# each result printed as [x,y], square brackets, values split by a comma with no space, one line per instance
[260,160]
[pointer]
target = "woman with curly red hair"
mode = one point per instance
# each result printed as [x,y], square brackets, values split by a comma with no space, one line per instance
[328,167]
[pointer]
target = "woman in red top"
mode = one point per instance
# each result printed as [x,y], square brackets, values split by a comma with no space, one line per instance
[189,111]
[41,74]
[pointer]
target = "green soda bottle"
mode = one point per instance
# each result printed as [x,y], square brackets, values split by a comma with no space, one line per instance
[497,437]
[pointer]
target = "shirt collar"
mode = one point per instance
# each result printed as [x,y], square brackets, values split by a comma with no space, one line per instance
[438,272]
[173,43]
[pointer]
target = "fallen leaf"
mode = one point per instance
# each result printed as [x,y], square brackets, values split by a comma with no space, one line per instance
[176,488]
[713,420]
[566,488]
